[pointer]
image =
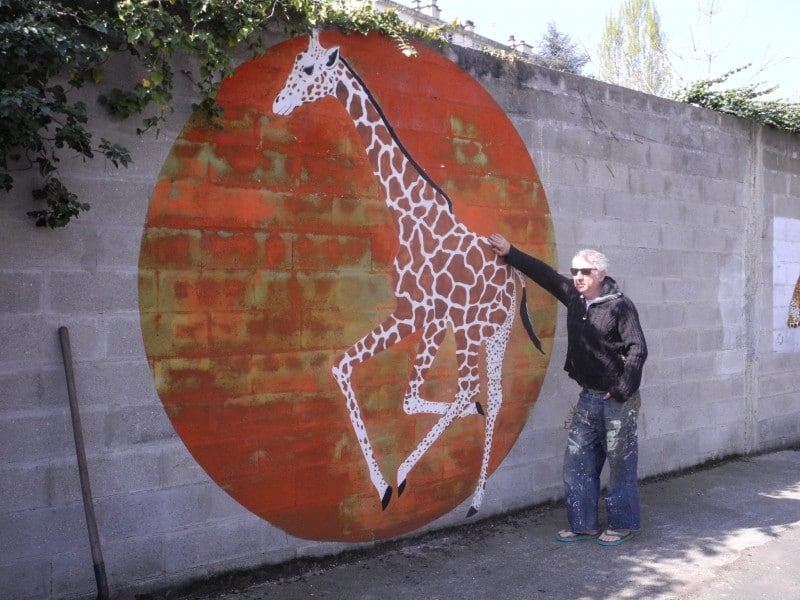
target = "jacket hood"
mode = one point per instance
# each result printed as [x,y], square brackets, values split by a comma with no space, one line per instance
[610,290]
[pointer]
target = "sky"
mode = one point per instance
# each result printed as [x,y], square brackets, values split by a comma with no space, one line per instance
[764,33]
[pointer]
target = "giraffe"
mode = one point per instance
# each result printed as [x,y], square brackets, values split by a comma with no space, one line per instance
[793,320]
[444,275]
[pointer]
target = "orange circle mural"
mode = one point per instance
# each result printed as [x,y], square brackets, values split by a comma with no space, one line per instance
[328,332]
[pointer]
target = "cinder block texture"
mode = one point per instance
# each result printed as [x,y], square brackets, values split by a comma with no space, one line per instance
[681,199]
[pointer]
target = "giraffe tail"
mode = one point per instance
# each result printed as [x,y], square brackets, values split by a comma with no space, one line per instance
[525,315]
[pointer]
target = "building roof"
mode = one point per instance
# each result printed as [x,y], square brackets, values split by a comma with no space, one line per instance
[426,14]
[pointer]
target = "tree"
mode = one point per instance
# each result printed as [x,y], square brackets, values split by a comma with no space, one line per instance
[558,51]
[50,48]
[632,50]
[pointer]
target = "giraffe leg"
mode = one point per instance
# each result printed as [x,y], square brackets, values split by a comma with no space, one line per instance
[496,345]
[469,386]
[495,352]
[381,337]
[413,402]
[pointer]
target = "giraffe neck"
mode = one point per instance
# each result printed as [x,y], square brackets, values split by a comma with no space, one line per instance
[406,187]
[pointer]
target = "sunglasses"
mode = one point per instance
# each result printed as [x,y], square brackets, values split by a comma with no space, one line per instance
[585,271]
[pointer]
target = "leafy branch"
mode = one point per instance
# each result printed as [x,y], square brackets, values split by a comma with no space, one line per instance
[51,48]
[742,102]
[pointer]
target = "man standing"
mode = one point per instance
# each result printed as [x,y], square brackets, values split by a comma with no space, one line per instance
[606,351]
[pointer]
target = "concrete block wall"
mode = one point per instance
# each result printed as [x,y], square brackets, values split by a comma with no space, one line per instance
[681,199]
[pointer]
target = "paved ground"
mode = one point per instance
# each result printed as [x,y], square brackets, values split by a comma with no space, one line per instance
[729,532]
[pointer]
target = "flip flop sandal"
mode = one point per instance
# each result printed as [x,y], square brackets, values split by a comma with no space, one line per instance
[618,538]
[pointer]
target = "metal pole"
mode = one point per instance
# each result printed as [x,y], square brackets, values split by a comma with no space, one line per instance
[86,488]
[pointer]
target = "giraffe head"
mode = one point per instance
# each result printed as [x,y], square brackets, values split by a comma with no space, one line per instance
[313,77]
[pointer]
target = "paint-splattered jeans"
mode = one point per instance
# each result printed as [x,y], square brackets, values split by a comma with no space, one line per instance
[602,430]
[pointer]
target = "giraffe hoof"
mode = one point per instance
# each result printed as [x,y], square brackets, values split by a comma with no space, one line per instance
[472,510]
[479,408]
[387,495]
[400,488]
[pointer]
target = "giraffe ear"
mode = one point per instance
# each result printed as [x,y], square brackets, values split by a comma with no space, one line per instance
[331,56]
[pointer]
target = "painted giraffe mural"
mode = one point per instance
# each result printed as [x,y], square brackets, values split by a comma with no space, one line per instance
[444,275]
[793,320]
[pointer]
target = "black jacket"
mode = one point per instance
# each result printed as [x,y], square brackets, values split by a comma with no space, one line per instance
[606,348]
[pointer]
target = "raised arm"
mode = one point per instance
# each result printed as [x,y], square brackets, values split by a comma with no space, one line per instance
[546,276]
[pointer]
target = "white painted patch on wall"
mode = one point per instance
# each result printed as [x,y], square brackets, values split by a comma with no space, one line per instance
[785,283]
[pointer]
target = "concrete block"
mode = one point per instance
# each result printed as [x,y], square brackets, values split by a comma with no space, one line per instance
[729,362]
[587,202]
[777,405]
[23,389]
[682,343]
[626,210]
[118,202]
[139,559]
[794,188]
[21,292]
[118,248]
[778,432]
[87,343]
[720,441]
[776,184]
[122,472]
[676,237]
[34,340]
[177,467]
[28,437]
[723,241]
[82,292]
[43,532]
[643,292]
[702,267]
[587,232]
[72,575]
[685,134]
[30,248]
[25,579]
[709,340]
[127,426]
[24,487]
[731,218]
[777,383]
[136,514]
[663,212]
[722,192]
[63,481]
[509,486]
[728,143]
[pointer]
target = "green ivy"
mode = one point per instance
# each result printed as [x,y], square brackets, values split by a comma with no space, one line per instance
[743,102]
[50,49]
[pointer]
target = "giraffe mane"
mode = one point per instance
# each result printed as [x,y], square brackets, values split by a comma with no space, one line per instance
[394,135]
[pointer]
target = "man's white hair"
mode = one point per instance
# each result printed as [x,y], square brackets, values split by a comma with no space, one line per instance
[595,258]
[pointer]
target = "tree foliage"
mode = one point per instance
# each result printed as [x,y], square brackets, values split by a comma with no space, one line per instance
[51,48]
[742,102]
[558,51]
[632,50]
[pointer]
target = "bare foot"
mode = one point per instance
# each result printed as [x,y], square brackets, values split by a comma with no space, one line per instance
[614,537]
